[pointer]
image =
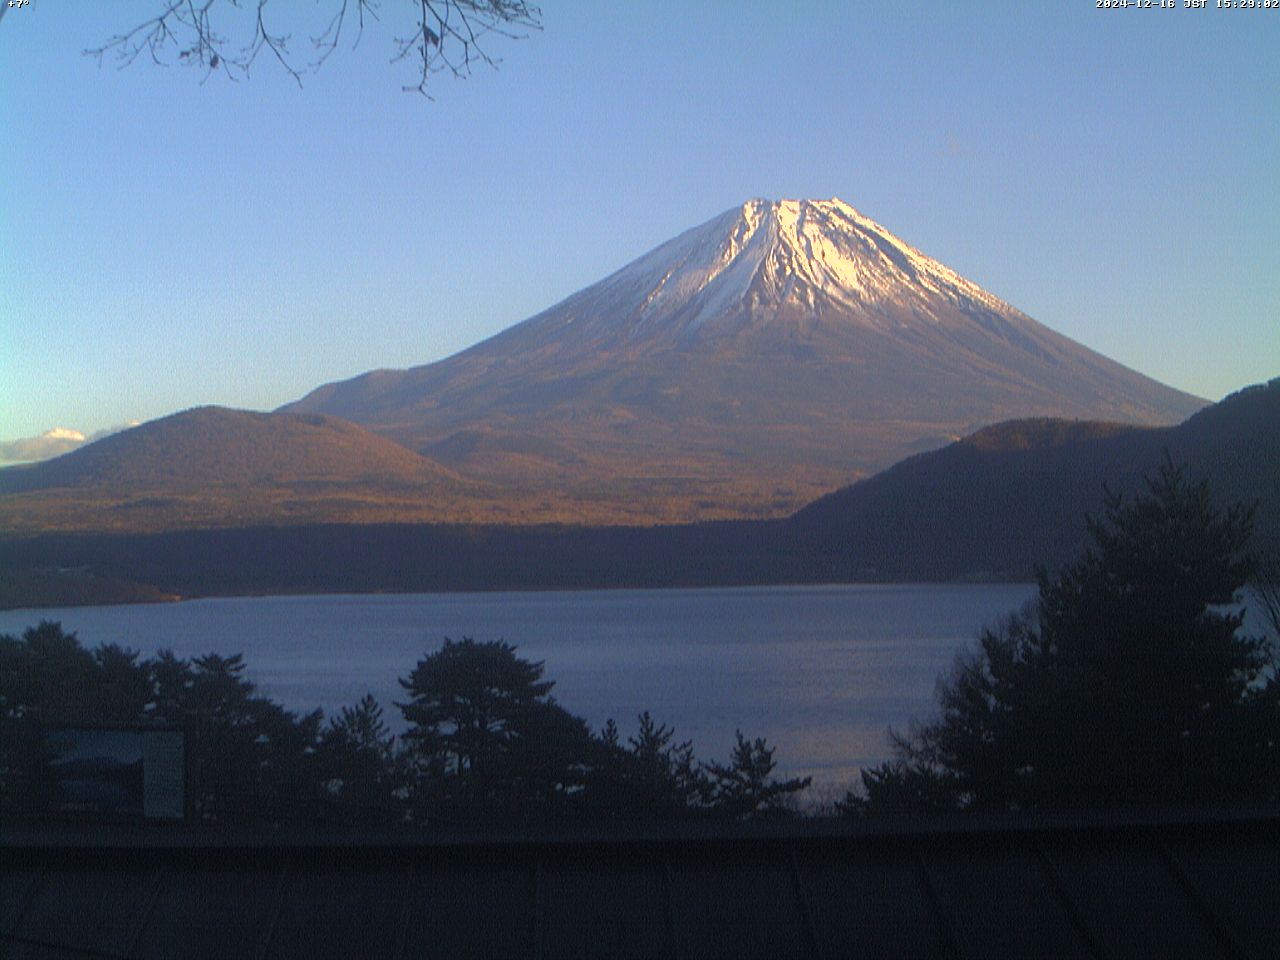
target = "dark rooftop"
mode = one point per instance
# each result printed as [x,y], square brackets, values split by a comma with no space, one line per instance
[1159,885]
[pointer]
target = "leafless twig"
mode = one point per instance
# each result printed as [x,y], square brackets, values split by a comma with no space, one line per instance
[327,41]
[448,36]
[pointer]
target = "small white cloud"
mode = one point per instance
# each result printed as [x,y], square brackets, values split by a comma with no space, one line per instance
[62,433]
[52,443]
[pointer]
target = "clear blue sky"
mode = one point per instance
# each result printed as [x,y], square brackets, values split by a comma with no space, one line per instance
[163,244]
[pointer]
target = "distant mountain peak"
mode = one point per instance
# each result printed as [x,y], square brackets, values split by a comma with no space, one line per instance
[808,256]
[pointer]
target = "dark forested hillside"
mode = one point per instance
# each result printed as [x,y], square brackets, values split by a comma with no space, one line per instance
[1016,494]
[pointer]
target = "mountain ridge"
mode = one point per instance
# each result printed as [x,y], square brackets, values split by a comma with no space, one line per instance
[214,466]
[211,444]
[1015,495]
[990,507]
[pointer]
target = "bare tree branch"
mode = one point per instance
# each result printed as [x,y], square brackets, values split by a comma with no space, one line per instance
[448,36]
[327,41]
[277,45]
[464,22]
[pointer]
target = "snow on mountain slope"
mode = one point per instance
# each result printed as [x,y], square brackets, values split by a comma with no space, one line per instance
[792,251]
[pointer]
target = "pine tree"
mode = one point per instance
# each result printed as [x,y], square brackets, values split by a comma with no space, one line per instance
[746,787]
[1128,682]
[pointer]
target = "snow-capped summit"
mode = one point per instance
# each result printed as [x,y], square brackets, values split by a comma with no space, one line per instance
[802,252]
[780,348]
[814,275]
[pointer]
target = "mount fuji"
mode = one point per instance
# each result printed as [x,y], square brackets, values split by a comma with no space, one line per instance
[776,352]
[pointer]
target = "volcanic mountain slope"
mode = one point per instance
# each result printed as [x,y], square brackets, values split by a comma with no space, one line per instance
[771,354]
[217,467]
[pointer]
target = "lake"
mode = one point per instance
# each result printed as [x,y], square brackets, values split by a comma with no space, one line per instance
[822,671]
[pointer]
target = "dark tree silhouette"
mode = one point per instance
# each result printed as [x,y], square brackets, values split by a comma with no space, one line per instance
[746,787]
[1127,682]
[466,700]
[544,773]
[46,676]
[251,758]
[486,742]
[359,764]
[361,731]
[447,36]
[650,777]
[485,737]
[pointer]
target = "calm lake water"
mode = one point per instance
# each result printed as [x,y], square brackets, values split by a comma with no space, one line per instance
[822,672]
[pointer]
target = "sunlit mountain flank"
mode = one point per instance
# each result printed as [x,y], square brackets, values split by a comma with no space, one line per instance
[776,351]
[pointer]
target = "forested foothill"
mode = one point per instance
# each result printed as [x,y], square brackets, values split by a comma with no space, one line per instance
[991,507]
